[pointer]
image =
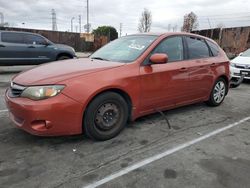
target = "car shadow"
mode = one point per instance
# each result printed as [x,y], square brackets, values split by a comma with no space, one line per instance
[15,136]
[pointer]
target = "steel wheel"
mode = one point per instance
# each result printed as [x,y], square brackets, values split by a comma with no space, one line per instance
[105,116]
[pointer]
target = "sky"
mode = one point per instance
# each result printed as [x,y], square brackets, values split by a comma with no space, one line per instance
[166,14]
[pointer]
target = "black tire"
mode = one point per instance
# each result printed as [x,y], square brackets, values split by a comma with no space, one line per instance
[234,85]
[213,100]
[64,57]
[105,116]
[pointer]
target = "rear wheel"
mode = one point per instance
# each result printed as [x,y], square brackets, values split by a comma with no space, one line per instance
[105,116]
[218,93]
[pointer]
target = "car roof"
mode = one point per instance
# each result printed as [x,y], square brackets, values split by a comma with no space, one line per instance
[21,32]
[172,34]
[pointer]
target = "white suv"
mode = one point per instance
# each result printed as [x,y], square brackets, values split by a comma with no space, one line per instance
[241,65]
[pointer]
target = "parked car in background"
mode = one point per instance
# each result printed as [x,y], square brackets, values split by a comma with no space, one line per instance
[23,48]
[128,78]
[241,65]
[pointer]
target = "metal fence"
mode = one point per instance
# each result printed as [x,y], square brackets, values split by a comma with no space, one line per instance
[232,40]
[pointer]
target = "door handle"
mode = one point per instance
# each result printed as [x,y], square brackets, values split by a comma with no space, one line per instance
[2,46]
[213,65]
[31,47]
[184,69]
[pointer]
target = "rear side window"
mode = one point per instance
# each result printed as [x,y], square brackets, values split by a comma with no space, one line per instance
[197,48]
[214,48]
[173,47]
[34,39]
[12,37]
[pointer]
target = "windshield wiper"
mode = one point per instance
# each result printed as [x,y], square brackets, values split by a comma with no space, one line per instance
[99,58]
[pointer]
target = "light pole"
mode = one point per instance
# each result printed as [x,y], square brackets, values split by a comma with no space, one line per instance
[87,16]
[72,23]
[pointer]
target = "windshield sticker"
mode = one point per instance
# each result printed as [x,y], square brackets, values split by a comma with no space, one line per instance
[136,46]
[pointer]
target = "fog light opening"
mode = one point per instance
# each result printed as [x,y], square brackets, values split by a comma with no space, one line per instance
[41,125]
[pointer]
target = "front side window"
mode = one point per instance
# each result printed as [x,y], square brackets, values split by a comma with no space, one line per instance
[34,39]
[12,37]
[125,49]
[197,48]
[173,47]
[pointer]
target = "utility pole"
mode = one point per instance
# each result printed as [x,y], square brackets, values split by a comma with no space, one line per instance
[209,23]
[88,16]
[72,23]
[80,23]
[54,24]
[169,27]
[2,19]
[120,29]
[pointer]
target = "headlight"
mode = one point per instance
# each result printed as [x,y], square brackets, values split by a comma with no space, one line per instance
[42,92]
[232,64]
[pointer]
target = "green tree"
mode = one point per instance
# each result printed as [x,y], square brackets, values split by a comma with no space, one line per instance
[108,31]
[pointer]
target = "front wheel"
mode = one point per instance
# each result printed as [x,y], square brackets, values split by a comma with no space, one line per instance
[218,93]
[63,58]
[105,116]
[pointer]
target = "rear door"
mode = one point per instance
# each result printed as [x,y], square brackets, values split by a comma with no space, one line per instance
[12,48]
[164,85]
[199,64]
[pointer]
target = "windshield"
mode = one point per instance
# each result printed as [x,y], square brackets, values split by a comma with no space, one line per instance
[246,53]
[125,49]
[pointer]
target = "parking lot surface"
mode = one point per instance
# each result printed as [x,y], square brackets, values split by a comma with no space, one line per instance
[221,160]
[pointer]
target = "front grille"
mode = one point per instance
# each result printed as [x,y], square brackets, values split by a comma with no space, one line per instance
[16,90]
[243,66]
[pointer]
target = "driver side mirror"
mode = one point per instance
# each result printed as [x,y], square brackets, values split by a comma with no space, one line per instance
[159,58]
[241,54]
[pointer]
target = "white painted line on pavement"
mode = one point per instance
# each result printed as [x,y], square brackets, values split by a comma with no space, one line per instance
[162,155]
[2,111]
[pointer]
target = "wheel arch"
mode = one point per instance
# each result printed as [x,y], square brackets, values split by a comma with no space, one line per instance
[224,77]
[119,91]
[64,54]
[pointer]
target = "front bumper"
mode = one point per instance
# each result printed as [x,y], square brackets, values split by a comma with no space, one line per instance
[56,116]
[236,72]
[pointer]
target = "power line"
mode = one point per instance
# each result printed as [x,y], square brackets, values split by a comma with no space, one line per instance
[222,15]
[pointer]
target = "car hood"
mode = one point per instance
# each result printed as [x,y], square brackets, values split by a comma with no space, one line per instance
[241,60]
[52,73]
[63,46]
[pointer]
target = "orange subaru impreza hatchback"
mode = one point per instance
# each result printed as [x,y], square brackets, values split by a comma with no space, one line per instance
[130,77]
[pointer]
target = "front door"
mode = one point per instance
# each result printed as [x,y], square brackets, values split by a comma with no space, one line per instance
[37,49]
[165,85]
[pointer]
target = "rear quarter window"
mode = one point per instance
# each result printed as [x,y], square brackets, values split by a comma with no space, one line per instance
[12,37]
[214,48]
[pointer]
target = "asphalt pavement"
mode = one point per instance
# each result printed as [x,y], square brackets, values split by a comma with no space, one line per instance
[146,154]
